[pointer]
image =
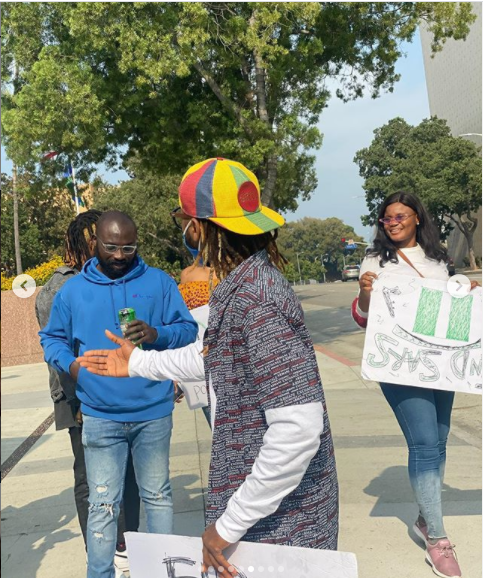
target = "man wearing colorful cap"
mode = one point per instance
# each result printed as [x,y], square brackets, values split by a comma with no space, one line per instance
[272,472]
[228,194]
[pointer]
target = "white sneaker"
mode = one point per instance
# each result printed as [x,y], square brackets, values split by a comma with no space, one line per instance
[121,563]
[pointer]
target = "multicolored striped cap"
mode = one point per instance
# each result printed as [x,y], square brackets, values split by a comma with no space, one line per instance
[228,194]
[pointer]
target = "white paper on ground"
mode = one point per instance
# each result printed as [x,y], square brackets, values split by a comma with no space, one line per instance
[195,391]
[162,556]
[419,335]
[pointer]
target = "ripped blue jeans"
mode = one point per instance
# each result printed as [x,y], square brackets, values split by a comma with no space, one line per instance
[424,416]
[106,446]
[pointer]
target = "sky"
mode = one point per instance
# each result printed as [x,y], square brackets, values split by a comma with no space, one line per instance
[347,127]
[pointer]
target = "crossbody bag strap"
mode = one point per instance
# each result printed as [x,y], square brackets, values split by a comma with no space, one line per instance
[404,258]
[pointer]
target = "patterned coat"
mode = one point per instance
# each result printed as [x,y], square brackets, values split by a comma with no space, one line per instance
[260,356]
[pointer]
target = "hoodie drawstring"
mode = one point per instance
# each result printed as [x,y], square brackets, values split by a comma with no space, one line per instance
[116,318]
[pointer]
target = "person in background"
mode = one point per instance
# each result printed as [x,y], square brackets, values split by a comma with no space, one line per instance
[79,248]
[407,243]
[197,280]
[272,472]
[119,416]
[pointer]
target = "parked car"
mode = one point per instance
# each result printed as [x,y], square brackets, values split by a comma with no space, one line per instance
[451,267]
[351,272]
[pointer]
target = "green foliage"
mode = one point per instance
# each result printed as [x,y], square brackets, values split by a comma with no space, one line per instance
[290,272]
[177,82]
[44,214]
[41,274]
[149,199]
[444,171]
[314,240]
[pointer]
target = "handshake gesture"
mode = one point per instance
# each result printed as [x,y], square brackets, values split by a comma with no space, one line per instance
[110,362]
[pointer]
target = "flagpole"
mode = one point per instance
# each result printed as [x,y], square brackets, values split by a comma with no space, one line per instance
[76,196]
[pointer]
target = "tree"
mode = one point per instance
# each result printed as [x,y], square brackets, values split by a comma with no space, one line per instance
[148,199]
[316,241]
[444,171]
[43,216]
[177,82]
[21,45]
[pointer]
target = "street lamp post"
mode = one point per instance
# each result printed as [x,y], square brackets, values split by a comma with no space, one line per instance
[321,266]
[298,265]
[76,194]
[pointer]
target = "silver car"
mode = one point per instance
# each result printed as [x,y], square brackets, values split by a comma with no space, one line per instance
[351,272]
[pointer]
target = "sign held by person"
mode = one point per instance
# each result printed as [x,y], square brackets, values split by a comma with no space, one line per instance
[195,391]
[420,335]
[166,556]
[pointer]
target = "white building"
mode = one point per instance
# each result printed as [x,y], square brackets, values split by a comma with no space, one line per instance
[453,79]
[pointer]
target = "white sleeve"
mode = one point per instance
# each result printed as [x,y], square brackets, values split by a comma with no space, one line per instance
[289,444]
[370,264]
[185,363]
[363,314]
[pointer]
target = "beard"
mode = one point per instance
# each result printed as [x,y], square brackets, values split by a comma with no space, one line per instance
[114,269]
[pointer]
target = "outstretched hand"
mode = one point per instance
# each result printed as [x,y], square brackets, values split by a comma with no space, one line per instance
[110,362]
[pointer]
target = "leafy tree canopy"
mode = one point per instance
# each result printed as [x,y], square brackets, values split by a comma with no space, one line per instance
[444,171]
[316,240]
[175,82]
[44,214]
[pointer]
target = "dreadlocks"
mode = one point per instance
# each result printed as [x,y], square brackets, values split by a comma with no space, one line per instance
[225,250]
[79,233]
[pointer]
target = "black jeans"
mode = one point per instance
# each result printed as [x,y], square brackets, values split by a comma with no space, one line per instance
[129,516]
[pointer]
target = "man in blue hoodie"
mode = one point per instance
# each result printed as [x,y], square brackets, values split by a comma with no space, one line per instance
[120,415]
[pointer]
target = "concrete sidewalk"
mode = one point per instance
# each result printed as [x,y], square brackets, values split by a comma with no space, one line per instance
[40,531]
[41,537]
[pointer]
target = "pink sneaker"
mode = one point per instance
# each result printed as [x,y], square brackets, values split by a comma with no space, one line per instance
[442,558]
[421,531]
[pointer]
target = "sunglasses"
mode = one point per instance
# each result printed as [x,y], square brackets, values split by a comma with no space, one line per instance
[396,219]
[110,248]
[175,215]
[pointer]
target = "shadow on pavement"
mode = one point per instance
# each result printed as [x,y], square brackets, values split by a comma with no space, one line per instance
[32,541]
[393,492]
[188,495]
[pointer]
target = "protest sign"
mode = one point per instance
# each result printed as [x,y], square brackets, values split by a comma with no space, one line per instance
[420,335]
[195,391]
[162,556]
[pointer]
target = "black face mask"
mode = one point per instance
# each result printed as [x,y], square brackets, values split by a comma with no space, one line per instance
[113,268]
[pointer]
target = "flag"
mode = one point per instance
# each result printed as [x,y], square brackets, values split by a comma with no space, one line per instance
[70,184]
[48,156]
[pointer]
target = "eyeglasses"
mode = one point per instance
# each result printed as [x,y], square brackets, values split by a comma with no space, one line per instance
[110,248]
[396,219]
[173,214]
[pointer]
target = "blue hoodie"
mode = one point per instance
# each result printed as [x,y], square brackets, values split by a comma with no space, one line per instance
[86,306]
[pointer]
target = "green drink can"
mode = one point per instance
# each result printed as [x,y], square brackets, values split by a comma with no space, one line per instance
[127,315]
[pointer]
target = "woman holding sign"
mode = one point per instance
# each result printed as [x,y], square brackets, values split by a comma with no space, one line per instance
[407,243]
[272,473]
